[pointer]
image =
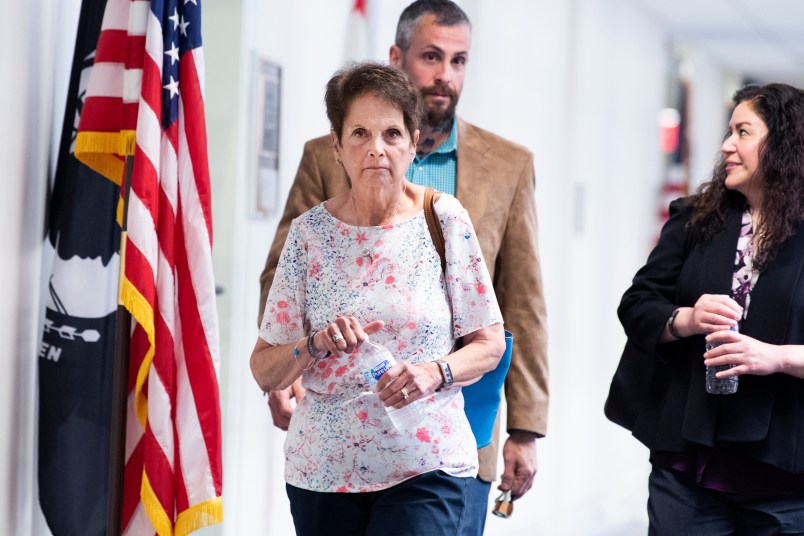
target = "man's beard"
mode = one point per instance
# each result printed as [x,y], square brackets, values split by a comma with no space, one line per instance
[437,117]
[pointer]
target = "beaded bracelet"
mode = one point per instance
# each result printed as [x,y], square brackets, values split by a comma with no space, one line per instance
[296,356]
[311,350]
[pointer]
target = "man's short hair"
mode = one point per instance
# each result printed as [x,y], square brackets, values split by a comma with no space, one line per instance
[447,14]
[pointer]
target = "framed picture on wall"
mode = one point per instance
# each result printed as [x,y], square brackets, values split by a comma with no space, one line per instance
[265,194]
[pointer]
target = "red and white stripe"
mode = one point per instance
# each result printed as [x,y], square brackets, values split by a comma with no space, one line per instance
[358,35]
[173,473]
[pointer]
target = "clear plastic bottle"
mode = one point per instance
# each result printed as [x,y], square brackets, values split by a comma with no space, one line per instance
[373,361]
[720,386]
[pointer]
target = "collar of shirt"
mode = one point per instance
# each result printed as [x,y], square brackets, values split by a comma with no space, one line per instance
[439,168]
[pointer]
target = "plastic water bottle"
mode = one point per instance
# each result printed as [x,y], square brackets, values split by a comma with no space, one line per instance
[720,386]
[373,361]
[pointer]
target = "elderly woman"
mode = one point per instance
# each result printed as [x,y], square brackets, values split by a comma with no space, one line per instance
[731,256]
[360,264]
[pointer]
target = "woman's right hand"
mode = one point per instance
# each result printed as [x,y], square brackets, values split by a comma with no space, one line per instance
[712,312]
[344,335]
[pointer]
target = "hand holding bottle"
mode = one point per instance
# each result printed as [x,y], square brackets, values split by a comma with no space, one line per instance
[711,313]
[344,335]
[375,361]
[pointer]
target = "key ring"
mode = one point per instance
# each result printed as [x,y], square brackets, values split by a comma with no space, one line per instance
[503,505]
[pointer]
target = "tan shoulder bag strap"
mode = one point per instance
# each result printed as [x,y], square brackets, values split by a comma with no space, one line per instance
[433,225]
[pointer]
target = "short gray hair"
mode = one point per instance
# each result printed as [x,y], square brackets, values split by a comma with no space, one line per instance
[447,14]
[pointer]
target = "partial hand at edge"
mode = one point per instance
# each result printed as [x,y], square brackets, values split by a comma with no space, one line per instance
[519,457]
[280,406]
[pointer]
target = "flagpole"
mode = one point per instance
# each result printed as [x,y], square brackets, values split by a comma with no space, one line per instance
[117,442]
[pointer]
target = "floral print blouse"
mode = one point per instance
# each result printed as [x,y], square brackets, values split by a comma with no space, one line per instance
[340,438]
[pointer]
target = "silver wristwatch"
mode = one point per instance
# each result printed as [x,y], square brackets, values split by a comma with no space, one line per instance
[446,372]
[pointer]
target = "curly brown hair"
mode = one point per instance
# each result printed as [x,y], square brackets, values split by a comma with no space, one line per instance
[781,170]
[387,82]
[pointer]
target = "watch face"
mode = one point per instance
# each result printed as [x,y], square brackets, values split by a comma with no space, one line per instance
[447,374]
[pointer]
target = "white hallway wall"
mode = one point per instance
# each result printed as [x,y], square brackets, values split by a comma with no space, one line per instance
[17,324]
[577,81]
[36,41]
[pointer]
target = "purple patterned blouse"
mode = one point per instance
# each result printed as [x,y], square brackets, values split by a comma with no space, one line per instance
[722,470]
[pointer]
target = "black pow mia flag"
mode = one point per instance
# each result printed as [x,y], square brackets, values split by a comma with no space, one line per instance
[76,357]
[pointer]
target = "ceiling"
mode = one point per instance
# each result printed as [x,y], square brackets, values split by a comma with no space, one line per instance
[762,39]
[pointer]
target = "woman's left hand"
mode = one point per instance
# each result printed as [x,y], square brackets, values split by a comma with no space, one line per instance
[748,355]
[415,381]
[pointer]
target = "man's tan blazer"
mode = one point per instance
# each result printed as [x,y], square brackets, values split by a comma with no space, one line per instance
[496,185]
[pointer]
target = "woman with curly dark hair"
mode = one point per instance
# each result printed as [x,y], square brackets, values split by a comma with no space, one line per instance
[721,299]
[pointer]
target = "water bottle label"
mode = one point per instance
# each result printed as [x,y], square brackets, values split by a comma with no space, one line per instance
[372,375]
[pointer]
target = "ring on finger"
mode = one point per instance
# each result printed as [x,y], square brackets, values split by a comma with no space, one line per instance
[337,338]
[405,393]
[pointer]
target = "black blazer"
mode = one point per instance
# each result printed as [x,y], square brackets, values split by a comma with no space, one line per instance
[658,389]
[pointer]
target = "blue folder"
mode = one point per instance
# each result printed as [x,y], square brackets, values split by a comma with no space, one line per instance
[482,398]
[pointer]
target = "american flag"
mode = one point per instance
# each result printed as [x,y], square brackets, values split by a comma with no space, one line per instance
[359,37]
[145,98]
